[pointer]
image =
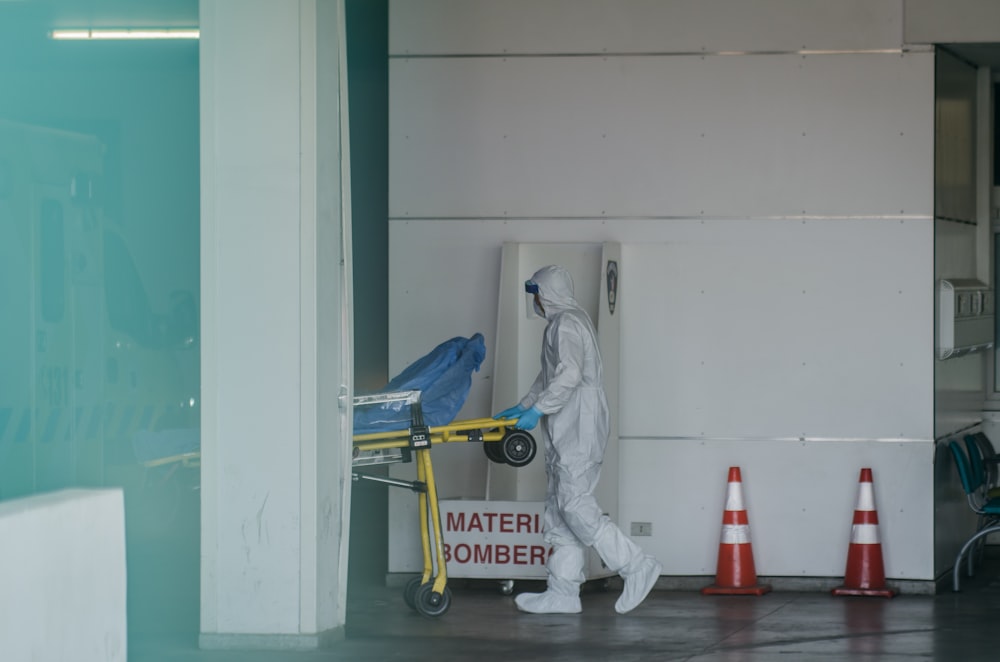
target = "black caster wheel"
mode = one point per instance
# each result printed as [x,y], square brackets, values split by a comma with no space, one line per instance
[518,448]
[494,451]
[410,592]
[429,603]
[507,587]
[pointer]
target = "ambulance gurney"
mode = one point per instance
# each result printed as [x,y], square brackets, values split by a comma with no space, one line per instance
[167,482]
[396,425]
[443,376]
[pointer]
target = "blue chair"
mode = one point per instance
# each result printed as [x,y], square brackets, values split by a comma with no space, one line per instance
[982,474]
[984,461]
[987,509]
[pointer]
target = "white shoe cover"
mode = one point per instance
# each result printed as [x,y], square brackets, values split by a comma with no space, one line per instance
[638,584]
[548,603]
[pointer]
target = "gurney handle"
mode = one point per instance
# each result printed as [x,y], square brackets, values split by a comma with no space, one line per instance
[416,485]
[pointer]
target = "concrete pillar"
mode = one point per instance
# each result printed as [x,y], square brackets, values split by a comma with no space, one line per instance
[276,356]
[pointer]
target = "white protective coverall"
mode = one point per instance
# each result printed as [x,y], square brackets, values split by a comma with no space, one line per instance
[569,391]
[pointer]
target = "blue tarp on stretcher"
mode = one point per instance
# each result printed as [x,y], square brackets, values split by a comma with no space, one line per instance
[444,377]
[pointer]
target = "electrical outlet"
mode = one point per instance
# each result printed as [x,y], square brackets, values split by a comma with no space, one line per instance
[642,528]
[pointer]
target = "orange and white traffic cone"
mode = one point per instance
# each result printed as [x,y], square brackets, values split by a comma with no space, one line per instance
[735,574]
[865,572]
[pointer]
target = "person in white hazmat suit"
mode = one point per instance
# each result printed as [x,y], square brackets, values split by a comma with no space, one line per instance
[569,393]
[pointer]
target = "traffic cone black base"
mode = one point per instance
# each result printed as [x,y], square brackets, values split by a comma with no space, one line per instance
[735,574]
[865,575]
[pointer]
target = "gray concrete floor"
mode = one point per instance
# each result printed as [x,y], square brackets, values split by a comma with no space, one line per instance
[482,624]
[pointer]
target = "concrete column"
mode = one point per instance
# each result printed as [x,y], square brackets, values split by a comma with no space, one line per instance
[275,281]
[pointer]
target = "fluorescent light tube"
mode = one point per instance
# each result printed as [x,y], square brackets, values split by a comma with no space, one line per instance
[126,33]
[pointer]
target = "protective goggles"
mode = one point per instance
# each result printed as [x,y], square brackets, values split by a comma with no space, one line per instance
[531,287]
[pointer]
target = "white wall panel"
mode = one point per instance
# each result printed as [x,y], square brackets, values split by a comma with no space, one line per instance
[937,22]
[767,135]
[780,329]
[630,26]
[800,499]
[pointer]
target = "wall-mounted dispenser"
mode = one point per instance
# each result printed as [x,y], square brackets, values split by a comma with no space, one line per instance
[965,317]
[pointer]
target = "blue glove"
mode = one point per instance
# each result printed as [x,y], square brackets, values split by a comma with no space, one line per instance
[528,419]
[512,412]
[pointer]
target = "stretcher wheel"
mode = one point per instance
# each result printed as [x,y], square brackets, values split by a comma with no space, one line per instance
[429,603]
[410,592]
[506,586]
[494,451]
[518,448]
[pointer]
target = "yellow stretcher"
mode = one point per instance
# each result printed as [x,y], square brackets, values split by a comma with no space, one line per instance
[429,594]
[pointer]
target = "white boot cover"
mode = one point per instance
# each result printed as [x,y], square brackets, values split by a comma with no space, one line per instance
[565,571]
[548,603]
[638,583]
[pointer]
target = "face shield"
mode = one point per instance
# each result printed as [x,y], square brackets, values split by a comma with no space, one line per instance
[533,308]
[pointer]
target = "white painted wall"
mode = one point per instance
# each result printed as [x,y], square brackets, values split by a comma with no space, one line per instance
[661,136]
[62,561]
[276,323]
[937,21]
[640,26]
[777,219]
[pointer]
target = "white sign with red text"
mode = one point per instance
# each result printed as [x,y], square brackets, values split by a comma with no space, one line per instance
[494,539]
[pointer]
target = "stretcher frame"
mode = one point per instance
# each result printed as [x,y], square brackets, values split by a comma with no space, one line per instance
[429,594]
